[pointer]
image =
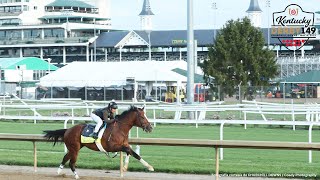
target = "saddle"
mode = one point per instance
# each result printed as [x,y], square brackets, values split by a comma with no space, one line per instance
[88,130]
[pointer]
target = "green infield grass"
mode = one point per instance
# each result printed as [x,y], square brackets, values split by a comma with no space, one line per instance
[177,159]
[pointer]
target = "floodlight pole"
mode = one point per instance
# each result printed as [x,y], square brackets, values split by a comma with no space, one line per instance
[49,65]
[95,44]
[268,7]
[214,8]
[190,57]
[149,41]
[95,33]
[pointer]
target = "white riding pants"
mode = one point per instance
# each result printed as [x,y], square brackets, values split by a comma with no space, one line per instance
[98,120]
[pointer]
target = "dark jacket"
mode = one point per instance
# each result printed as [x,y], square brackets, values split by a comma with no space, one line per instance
[105,114]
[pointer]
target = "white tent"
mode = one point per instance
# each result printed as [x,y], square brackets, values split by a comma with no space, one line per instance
[105,74]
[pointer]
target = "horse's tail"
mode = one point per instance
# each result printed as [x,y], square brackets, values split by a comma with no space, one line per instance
[55,135]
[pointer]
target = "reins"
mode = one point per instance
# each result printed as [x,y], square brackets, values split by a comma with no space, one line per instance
[124,123]
[114,124]
[108,153]
[120,122]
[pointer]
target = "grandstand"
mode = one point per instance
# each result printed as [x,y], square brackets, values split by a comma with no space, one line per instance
[171,46]
[63,34]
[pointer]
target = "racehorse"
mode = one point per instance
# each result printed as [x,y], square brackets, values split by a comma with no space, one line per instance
[114,138]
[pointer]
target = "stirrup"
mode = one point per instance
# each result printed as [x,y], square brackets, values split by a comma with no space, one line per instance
[94,135]
[115,154]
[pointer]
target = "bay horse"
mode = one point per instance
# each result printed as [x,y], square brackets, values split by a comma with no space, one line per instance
[114,138]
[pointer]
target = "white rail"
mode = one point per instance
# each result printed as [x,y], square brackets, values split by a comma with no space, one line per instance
[182,142]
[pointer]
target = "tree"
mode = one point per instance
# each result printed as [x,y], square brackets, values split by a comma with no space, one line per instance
[239,57]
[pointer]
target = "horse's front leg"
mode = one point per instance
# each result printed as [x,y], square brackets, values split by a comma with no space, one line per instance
[129,151]
[126,162]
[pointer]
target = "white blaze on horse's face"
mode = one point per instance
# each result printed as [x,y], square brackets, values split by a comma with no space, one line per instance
[145,114]
[145,124]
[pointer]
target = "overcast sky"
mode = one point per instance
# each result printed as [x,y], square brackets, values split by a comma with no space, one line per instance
[172,14]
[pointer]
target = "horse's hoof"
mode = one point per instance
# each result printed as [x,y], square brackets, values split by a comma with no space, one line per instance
[150,168]
[59,171]
[76,176]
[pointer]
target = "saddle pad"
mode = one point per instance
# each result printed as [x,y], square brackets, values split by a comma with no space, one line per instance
[85,139]
[87,130]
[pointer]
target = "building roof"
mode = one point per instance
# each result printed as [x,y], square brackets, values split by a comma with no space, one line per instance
[170,38]
[198,78]
[254,6]
[74,17]
[177,37]
[70,3]
[146,9]
[110,39]
[106,74]
[32,63]
[306,77]
[84,16]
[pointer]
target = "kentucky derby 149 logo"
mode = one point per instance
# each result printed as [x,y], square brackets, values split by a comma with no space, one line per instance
[293,27]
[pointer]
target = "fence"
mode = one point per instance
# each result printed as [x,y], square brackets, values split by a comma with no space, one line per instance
[253,108]
[182,142]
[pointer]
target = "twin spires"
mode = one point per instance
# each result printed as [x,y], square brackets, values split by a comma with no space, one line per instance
[146,16]
[146,9]
[255,13]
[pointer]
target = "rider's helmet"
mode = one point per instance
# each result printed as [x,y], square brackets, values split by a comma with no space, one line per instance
[113,105]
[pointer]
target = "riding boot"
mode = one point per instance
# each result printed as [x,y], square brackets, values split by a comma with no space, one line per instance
[95,135]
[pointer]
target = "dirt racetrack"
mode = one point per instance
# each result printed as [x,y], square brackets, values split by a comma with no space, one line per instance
[27,173]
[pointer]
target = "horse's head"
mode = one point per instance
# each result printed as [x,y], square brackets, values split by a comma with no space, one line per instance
[135,117]
[142,120]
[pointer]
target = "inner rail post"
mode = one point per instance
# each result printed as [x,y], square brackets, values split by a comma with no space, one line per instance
[34,156]
[217,162]
[121,164]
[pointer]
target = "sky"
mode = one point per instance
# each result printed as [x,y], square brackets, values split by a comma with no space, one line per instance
[172,14]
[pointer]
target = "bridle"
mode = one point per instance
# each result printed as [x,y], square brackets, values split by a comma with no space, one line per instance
[139,117]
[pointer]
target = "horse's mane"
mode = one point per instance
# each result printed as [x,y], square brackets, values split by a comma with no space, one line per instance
[126,112]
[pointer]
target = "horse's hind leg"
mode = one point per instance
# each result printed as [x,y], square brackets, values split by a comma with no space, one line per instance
[72,163]
[128,150]
[64,160]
